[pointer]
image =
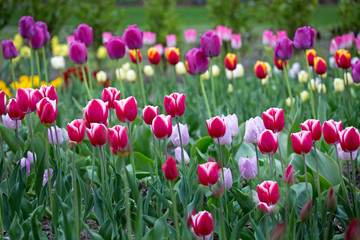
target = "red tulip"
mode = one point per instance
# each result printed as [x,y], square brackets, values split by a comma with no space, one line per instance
[208,173]
[203,223]
[162,126]
[109,95]
[149,113]
[2,102]
[14,110]
[260,70]
[96,111]
[118,140]
[343,58]
[170,170]
[154,56]
[216,127]
[320,66]
[301,142]
[126,109]
[311,54]
[172,55]
[175,104]
[352,231]
[268,142]
[230,61]
[279,63]
[274,119]
[97,134]
[47,111]
[27,99]
[133,57]
[349,139]
[48,92]
[331,130]
[76,130]
[289,175]
[314,126]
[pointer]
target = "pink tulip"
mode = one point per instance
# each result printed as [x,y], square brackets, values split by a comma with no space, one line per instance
[268,142]
[280,34]
[106,36]
[301,142]
[289,175]
[96,111]
[223,32]
[14,110]
[27,99]
[76,130]
[331,130]
[331,200]
[149,38]
[349,139]
[109,95]
[203,223]
[314,126]
[47,111]
[306,210]
[190,36]
[235,41]
[118,140]
[97,134]
[175,104]
[269,39]
[274,119]
[160,48]
[171,40]
[352,231]
[216,127]
[170,169]
[126,109]
[48,92]
[149,113]
[162,126]
[208,173]
[70,39]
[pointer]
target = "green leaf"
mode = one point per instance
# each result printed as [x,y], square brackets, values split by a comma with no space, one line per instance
[40,174]
[143,162]
[132,185]
[139,222]
[143,141]
[93,235]
[243,199]
[16,232]
[202,145]
[9,137]
[258,231]
[321,113]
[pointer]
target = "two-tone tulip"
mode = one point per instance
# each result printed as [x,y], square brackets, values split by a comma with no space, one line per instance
[126,109]
[349,139]
[135,55]
[49,92]
[331,130]
[208,173]
[172,55]
[216,127]
[202,224]
[2,102]
[110,95]
[343,58]
[279,63]
[47,111]
[118,140]
[162,126]
[96,111]
[301,142]
[260,70]
[268,142]
[274,119]
[320,66]
[14,111]
[230,61]
[154,56]
[175,104]
[27,99]
[268,194]
[97,134]
[170,170]
[149,113]
[314,126]
[76,130]
[311,54]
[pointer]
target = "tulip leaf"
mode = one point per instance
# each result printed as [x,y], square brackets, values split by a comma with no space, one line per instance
[243,199]
[16,232]
[321,113]
[143,141]
[139,222]
[202,145]
[258,232]
[142,162]
[93,235]
[9,137]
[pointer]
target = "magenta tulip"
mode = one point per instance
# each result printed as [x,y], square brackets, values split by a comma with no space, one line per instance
[110,95]
[349,139]
[47,111]
[331,130]
[118,140]
[96,111]
[196,61]
[27,27]
[84,34]
[126,109]
[210,44]
[274,119]
[283,49]
[149,113]
[115,47]
[14,110]
[304,38]
[44,29]
[76,130]
[170,169]
[216,127]
[268,142]
[78,52]
[208,173]
[175,104]
[8,49]
[162,126]
[133,37]
[301,142]
[97,134]
[314,126]
[27,99]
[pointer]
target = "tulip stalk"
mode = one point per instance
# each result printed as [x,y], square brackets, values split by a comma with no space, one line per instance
[306,179]
[176,220]
[289,89]
[132,152]
[205,98]
[354,184]
[48,170]
[340,174]
[347,86]
[127,200]
[77,219]
[38,66]
[31,139]
[222,221]
[141,78]
[13,74]
[31,65]
[155,157]
[212,86]
[271,165]
[317,171]
[89,76]
[311,90]
[85,82]
[92,169]
[257,159]
[121,83]
[45,65]
[17,137]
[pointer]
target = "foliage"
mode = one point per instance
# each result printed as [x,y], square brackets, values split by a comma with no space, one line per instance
[349,11]
[7,7]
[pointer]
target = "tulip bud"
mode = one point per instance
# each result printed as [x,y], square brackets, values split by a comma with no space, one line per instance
[135,55]
[115,47]
[170,170]
[230,61]
[162,126]
[154,56]
[126,109]
[180,68]
[349,139]
[110,95]
[203,223]
[172,55]
[118,140]
[216,127]
[97,134]
[84,34]
[268,142]
[248,167]
[57,62]
[260,70]
[289,175]
[320,65]
[175,104]
[311,54]
[96,111]
[331,200]
[301,142]
[352,231]
[289,101]
[331,130]
[47,111]
[78,52]
[314,126]
[210,44]
[149,71]
[76,130]
[230,88]
[274,119]
[215,70]
[304,96]
[306,211]
[149,113]
[279,232]
[131,75]
[303,76]
[343,59]
[208,173]
[9,50]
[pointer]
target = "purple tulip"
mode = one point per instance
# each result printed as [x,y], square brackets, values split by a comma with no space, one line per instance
[232,122]
[345,155]
[304,38]
[248,167]
[9,123]
[78,52]
[84,34]
[52,135]
[26,162]
[46,176]
[115,47]
[31,157]
[9,50]
[356,71]
[283,49]
[27,27]
[253,127]
[133,37]
[210,44]
[38,41]
[178,155]
[44,29]
[197,61]
[227,177]
[227,138]
[184,135]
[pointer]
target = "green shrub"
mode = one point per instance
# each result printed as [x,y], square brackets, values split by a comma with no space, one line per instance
[349,11]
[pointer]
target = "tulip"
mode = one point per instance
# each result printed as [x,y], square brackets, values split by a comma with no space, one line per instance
[331,200]
[96,111]
[78,52]
[268,194]
[320,65]
[106,36]
[55,138]
[118,140]
[279,64]
[230,61]
[101,76]
[14,110]
[44,30]
[27,99]
[171,40]
[97,134]
[57,62]
[47,177]
[110,95]
[305,212]
[268,142]
[154,56]
[301,142]
[131,76]
[356,71]
[197,62]
[38,40]
[170,170]
[304,38]
[9,123]
[184,135]
[226,139]
[210,44]
[223,32]
[216,127]
[253,127]
[248,167]
[314,126]
[148,70]
[175,104]
[331,130]
[279,232]
[180,68]
[149,113]
[235,41]
[203,223]
[115,47]
[133,37]
[289,175]
[135,57]
[342,154]
[24,162]
[349,139]
[149,38]
[260,70]
[190,36]
[160,48]
[274,119]
[8,49]
[84,33]
[27,27]
[48,92]
[283,49]
[126,109]
[343,59]
[76,130]
[289,102]
[311,54]
[178,155]
[304,96]
[47,111]
[208,173]
[172,55]
[303,76]
[232,122]
[162,126]
[352,231]
[268,39]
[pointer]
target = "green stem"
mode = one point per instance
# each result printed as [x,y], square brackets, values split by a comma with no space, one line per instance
[38,65]
[90,77]
[347,86]
[155,158]
[257,159]
[104,181]
[176,221]
[317,172]
[271,165]
[328,228]
[92,168]
[45,65]
[311,90]
[141,78]
[289,89]
[121,81]
[85,82]
[57,145]
[131,152]
[32,141]
[222,221]
[77,219]
[31,65]
[354,183]
[306,180]
[341,175]
[17,138]
[350,182]
[127,201]
[48,170]
[165,149]
[205,98]
[13,74]
[212,86]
